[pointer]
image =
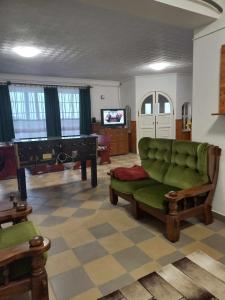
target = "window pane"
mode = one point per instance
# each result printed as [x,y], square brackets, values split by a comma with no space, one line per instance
[28,110]
[69,111]
[147,106]
[164,106]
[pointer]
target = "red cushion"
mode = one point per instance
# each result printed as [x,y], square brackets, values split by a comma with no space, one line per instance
[129,174]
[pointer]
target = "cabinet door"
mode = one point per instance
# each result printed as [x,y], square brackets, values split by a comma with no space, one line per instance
[113,148]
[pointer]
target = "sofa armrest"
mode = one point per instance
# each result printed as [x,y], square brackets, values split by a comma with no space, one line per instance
[36,246]
[15,214]
[186,193]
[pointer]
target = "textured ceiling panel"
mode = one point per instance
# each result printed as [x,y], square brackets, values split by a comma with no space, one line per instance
[81,40]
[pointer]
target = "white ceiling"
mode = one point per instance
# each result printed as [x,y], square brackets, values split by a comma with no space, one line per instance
[94,38]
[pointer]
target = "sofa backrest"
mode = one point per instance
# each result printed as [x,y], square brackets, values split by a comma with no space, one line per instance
[155,156]
[189,165]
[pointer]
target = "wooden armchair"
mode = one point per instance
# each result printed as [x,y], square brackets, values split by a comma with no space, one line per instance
[22,255]
[104,149]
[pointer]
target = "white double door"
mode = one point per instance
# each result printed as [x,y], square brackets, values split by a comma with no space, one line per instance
[156,116]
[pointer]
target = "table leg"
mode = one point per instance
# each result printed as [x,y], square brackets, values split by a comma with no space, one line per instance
[94,180]
[21,179]
[83,170]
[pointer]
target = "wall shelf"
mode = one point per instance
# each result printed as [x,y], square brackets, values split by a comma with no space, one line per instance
[222,85]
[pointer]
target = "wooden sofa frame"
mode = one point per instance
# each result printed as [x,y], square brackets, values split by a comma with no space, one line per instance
[182,204]
[37,282]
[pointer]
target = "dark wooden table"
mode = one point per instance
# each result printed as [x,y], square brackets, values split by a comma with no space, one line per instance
[34,152]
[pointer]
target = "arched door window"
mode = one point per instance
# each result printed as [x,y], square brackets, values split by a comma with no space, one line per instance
[147,106]
[164,106]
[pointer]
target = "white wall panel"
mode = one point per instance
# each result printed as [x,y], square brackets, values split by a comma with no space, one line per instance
[206,75]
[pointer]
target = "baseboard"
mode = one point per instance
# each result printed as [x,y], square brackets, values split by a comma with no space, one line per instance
[218,216]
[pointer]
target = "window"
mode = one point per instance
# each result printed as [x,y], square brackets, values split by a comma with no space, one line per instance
[163,105]
[28,111]
[69,102]
[147,106]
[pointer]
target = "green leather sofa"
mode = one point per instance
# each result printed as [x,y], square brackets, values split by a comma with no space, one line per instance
[183,176]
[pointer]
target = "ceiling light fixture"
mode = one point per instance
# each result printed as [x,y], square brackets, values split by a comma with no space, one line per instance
[159,66]
[26,51]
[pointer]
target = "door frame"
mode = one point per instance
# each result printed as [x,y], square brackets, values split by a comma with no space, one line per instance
[154,93]
[139,109]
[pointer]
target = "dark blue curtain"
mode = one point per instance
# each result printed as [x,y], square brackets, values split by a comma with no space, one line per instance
[52,111]
[6,120]
[85,111]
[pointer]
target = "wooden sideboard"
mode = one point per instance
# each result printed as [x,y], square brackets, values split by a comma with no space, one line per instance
[119,143]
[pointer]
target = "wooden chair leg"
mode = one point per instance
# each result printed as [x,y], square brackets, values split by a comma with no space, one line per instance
[39,288]
[172,228]
[113,196]
[207,215]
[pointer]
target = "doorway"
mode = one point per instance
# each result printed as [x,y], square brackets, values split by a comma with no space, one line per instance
[156,116]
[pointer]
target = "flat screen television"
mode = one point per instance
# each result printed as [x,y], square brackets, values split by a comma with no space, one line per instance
[113,117]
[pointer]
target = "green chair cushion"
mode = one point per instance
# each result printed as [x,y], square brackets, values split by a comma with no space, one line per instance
[15,235]
[188,166]
[154,195]
[155,156]
[129,187]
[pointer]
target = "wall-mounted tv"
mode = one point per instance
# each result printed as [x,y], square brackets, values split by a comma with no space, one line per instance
[113,117]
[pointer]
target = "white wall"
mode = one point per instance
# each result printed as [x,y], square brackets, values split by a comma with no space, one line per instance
[111,99]
[109,89]
[184,92]
[127,96]
[206,72]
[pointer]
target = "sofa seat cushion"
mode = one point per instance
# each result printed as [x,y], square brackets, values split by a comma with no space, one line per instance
[154,195]
[15,235]
[129,187]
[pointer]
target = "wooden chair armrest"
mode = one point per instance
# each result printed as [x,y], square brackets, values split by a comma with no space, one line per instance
[186,193]
[36,246]
[110,173]
[16,213]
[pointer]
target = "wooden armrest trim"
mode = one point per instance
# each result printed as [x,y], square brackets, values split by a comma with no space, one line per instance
[13,214]
[111,173]
[9,255]
[191,192]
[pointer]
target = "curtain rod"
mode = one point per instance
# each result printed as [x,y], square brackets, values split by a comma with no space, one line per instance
[46,85]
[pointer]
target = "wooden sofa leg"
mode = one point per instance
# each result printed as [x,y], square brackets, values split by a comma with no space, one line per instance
[208,217]
[39,283]
[136,210]
[113,196]
[173,228]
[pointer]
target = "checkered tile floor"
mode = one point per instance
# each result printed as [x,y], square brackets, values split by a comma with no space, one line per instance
[96,247]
